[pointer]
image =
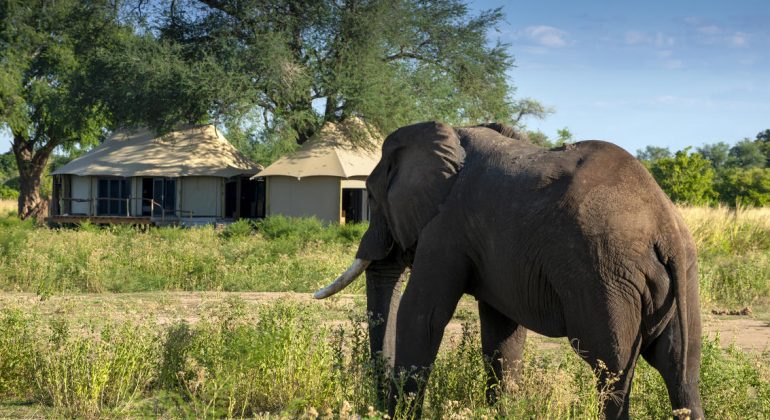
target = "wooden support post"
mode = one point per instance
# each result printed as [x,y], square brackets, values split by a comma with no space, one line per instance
[238,197]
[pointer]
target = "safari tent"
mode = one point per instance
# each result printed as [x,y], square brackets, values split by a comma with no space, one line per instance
[326,177]
[191,175]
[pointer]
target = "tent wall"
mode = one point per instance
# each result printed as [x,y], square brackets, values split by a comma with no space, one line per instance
[203,195]
[317,196]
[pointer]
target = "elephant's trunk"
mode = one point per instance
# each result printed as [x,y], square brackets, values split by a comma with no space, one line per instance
[344,279]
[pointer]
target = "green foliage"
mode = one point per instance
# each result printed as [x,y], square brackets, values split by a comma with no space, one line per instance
[45,101]
[748,187]
[284,361]
[286,254]
[686,177]
[17,363]
[83,376]
[539,138]
[280,359]
[230,366]
[266,64]
[653,153]
[8,193]
[238,229]
[563,136]
[718,154]
[747,154]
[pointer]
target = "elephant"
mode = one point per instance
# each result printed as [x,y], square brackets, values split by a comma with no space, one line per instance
[577,241]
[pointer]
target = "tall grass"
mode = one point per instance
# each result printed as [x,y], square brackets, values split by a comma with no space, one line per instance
[285,254]
[278,360]
[733,253]
[281,255]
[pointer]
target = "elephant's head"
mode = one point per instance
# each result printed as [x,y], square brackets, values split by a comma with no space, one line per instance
[418,167]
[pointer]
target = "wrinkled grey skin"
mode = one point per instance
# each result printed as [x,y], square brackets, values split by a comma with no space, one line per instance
[575,242]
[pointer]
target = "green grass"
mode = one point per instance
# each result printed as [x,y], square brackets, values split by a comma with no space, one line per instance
[244,362]
[287,254]
[278,254]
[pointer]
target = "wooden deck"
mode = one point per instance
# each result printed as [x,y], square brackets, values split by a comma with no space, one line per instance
[100,220]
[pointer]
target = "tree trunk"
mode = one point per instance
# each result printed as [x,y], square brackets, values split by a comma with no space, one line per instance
[31,164]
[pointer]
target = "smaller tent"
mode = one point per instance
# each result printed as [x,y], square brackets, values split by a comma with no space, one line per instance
[193,172]
[326,177]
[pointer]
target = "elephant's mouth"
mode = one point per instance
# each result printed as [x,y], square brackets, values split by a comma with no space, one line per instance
[356,268]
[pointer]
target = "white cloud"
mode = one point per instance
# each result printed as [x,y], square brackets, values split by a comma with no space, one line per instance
[635,38]
[546,36]
[710,30]
[658,39]
[738,39]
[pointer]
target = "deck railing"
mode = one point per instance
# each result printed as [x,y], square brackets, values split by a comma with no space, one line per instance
[153,204]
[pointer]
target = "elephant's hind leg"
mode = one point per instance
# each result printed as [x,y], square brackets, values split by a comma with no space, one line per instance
[502,342]
[665,356]
[608,338]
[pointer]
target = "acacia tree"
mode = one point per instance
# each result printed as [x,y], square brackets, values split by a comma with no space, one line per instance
[301,63]
[44,48]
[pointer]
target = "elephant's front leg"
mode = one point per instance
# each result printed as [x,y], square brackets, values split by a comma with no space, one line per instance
[437,281]
[383,292]
[502,342]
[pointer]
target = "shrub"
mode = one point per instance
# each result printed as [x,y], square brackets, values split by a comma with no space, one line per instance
[8,193]
[229,367]
[747,187]
[86,375]
[17,354]
[686,178]
[238,229]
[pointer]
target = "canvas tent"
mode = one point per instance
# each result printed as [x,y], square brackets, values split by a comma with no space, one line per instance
[326,177]
[191,173]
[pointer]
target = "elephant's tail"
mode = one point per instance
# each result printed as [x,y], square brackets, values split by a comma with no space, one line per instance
[676,266]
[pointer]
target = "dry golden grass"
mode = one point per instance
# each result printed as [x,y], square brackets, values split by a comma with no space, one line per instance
[7,206]
[718,218]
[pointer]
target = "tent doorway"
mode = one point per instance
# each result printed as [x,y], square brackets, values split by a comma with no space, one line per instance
[245,198]
[163,192]
[354,209]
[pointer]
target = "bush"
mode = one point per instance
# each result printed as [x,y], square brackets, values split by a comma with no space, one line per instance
[8,193]
[277,227]
[238,229]
[744,187]
[17,354]
[686,178]
[84,376]
[230,367]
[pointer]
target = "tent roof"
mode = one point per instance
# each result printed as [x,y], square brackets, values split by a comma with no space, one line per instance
[190,151]
[347,149]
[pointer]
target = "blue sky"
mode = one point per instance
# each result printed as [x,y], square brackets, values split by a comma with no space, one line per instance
[666,73]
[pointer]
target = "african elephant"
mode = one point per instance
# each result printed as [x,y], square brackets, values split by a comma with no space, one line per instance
[576,241]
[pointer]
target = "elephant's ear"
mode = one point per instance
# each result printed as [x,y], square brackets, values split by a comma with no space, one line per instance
[419,166]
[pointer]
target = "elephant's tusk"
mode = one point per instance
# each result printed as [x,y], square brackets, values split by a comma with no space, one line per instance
[344,279]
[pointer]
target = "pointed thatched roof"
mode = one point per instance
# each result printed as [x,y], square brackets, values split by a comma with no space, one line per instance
[347,149]
[190,151]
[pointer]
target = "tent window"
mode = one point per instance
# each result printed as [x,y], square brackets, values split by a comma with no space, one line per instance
[112,196]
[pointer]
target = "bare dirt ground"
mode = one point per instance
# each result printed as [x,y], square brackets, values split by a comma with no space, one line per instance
[750,333]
